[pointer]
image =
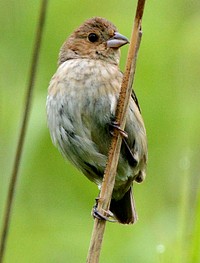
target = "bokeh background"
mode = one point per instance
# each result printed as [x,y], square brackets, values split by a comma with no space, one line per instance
[51,219]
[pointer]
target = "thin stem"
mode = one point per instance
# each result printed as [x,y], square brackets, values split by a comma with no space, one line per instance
[114,151]
[18,154]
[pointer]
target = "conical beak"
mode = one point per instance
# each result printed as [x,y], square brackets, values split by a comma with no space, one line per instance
[117,41]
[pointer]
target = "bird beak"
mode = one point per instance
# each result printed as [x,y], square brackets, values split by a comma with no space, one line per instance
[117,41]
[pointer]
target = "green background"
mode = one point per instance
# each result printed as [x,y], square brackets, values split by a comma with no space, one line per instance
[51,221]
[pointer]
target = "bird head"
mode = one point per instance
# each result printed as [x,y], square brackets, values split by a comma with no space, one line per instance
[96,38]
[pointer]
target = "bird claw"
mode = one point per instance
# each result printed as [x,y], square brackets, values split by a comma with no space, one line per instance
[107,214]
[116,126]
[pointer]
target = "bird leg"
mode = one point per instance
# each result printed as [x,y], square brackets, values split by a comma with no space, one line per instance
[132,160]
[115,125]
[107,214]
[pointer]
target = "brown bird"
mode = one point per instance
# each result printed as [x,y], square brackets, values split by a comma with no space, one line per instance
[81,104]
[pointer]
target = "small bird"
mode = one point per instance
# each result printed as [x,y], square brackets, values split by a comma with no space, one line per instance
[81,104]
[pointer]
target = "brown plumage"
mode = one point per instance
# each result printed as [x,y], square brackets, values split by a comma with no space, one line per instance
[81,105]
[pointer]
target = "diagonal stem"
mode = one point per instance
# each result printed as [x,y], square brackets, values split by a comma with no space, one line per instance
[18,155]
[114,151]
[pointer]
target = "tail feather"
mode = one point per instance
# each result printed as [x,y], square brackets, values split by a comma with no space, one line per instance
[124,209]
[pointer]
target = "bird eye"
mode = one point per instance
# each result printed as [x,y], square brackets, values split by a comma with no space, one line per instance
[93,37]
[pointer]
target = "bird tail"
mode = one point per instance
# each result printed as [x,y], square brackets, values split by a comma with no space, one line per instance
[124,209]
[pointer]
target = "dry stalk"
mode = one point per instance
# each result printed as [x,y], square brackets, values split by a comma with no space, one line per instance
[18,154]
[114,151]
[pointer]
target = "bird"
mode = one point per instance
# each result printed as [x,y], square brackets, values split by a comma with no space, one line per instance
[81,104]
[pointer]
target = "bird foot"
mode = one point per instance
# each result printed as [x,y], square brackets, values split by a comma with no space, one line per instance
[115,125]
[107,216]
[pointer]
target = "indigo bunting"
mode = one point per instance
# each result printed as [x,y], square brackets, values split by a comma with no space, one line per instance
[81,104]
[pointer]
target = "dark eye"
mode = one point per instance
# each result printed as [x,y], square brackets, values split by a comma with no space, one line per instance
[93,37]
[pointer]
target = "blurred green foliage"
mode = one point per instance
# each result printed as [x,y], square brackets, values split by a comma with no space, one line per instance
[51,219]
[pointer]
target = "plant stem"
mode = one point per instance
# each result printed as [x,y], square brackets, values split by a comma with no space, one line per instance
[18,154]
[114,151]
